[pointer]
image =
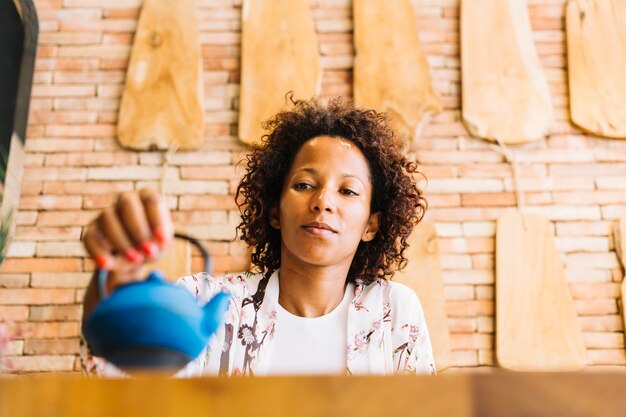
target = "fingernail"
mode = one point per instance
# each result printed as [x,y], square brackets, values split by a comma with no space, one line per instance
[161,235]
[103,262]
[150,249]
[133,256]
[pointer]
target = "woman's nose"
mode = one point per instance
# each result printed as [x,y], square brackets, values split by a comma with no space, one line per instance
[323,201]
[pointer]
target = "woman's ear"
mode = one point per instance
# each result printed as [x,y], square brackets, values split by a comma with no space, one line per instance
[274,217]
[372,227]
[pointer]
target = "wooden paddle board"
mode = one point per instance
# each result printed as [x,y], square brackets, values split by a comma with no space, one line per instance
[596,54]
[163,95]
[391,73]
[536,323]
[619,234]
[505,94]
[279,54]
[423,274]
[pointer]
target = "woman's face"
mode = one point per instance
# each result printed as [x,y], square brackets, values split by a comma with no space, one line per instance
[324,209]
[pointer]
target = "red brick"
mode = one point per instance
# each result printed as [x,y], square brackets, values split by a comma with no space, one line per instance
[470,308]
[35,296]
[41,265]
[117,38]
[23,364]
[199,217]
[51,347]
[604,340]
[610,323]
[214,202]
[74,38]
[50,202]
[48,233]
[64,91]
[57,145]
[31,188]
[466,341]
[66,117]
[66,218]
[225,172]
[13,313]
[55,174]
[113,63]
[88,187]
[14,280]
[99,201]
[49,330]
[91,159]
[443,200]
[86,131]
[121,13]
[71,312]
[596,307]
[606,357]
[462,325]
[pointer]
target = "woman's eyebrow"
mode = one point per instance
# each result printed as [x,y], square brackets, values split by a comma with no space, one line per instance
[309,170]
[313,171]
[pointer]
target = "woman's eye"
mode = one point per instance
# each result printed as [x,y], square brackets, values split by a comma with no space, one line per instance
[347,191]
[301,186]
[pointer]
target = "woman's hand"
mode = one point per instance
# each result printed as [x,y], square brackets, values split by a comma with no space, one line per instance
[136,230]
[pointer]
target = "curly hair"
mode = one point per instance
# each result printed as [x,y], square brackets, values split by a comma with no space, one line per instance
[394,189]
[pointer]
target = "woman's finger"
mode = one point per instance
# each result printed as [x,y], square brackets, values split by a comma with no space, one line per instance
[98,247]
[132,215]
[158,215]
[113,230]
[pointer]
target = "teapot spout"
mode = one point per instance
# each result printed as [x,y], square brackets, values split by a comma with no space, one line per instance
[214,312]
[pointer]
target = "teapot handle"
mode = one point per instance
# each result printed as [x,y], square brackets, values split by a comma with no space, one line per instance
[103,274]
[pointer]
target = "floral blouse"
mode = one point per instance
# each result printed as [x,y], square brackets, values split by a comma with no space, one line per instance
[387,332]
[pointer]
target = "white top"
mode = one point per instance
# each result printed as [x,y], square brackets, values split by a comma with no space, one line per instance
[311,346]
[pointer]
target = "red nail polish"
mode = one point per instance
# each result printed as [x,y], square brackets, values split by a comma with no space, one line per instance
[133,256]
[103,262]
[149,248]
[161,235]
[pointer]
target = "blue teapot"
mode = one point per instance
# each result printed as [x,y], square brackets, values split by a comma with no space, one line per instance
[152,324]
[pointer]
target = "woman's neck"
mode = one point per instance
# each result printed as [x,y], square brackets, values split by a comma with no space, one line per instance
[311,292]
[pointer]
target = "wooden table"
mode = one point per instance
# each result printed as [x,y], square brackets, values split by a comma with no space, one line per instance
[452,395]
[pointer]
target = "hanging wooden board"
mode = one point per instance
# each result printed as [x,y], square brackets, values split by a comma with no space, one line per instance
[279,53]
[505,94]
[537,327]
[162,99]
[391,73]
[596,54]
[423,274]
[619,235]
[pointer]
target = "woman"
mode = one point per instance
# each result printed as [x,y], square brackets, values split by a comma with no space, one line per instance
[327,204]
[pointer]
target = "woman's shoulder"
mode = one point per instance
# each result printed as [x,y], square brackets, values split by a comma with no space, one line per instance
[204,285]
[398,295]
[394,290]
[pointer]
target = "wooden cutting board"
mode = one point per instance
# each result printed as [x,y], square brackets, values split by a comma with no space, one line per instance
[619,234]
[536,324]
[505,93]
[423,275]
[279,53]
[391,73]
[596,54]
[163,95]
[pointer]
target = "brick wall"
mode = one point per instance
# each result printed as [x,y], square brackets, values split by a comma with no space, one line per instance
[75,168]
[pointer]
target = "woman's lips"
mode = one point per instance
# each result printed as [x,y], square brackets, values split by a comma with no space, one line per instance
[319,229]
